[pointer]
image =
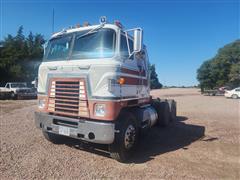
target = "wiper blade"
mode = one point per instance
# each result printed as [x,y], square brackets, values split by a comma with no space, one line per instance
[92,31]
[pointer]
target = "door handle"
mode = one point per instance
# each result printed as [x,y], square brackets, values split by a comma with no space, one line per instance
[84,67]
[53,68]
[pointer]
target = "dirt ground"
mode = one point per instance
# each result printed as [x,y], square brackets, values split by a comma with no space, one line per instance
[204,143]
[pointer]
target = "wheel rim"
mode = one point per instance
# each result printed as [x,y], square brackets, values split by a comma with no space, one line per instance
[130,136]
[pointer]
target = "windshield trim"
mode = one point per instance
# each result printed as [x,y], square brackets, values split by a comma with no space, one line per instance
[71,35]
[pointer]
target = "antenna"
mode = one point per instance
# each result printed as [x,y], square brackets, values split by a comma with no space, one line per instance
[53,21]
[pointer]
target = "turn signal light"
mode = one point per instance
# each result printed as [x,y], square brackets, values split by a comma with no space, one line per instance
[121,81]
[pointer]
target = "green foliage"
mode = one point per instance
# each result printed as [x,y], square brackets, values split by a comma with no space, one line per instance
[20,56]
[204,75]
[234,75]
[223,69]
[154,82]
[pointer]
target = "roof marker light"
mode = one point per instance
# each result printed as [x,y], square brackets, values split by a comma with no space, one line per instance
[85,24]
[103,20]
[118,23]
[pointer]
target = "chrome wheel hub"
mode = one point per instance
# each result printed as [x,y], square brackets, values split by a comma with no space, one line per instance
[130,136]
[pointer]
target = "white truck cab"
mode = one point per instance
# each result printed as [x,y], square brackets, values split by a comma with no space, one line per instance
[94,85]
[234,93]
[16,89]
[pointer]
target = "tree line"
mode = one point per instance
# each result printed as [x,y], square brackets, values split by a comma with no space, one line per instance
[223,69]
[154,82]
[20,57]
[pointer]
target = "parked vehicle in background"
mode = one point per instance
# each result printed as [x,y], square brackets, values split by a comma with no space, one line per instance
[5,94]
[214,92]
[17,90]
[34,84]
[235,93]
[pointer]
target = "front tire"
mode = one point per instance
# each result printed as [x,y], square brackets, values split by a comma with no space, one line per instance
[126,138]
[13,95]
[234,96]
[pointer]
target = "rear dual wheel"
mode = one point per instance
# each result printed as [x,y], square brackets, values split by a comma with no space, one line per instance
[173,109]
[166,110]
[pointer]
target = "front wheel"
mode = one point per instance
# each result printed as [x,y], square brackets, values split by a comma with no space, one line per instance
[13,95]
[126,137]
[234,96]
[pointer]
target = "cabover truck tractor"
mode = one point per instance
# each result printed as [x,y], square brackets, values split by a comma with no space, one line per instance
[94,85]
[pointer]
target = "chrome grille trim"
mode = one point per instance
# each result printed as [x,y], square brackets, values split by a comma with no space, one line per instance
[68,97]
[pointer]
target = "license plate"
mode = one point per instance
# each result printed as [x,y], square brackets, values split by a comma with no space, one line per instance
[64,131]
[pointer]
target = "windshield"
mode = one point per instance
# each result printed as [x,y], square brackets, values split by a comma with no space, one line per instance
[97,44]
[18,85]
[58,48]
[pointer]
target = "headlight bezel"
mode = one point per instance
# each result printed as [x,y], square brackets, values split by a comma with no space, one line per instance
[100,110]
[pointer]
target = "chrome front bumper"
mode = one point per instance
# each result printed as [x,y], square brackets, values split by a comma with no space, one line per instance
[91,131]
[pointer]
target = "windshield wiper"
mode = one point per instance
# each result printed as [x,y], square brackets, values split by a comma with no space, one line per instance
[94,30]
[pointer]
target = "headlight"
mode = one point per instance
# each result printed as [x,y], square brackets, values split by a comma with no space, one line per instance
[100,110]
[41,103]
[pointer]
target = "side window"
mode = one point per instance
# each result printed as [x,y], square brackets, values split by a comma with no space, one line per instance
[123,46]
[238,90]
[141,55]
[7,86]
[141,60]
[130,45]
[59,48]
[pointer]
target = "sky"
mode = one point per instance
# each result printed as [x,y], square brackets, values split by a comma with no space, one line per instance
[179,35]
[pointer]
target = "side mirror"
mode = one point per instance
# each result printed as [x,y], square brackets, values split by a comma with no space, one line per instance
[137,36]
[137,46]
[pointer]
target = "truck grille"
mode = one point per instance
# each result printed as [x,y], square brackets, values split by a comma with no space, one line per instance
[68,97]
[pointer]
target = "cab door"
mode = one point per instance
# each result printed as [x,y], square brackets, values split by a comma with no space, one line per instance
[141,59]
[129,70]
